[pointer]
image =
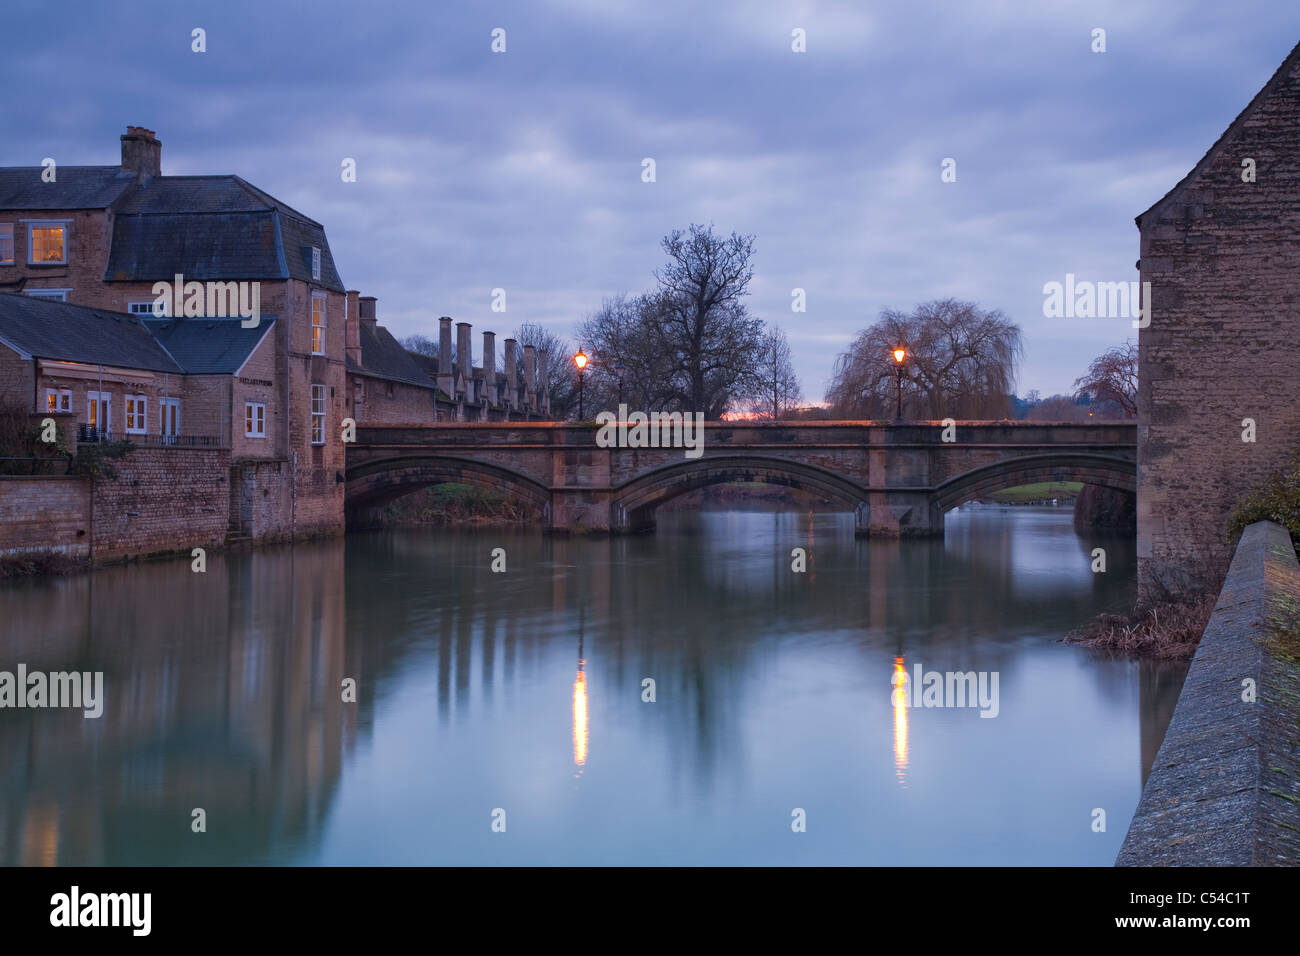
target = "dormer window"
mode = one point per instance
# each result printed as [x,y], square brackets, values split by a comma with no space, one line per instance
[315,263]
[46,244]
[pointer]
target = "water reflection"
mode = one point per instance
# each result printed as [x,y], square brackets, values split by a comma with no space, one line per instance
[223,692]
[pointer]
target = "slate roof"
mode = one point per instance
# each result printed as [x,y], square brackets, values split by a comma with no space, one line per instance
[74,187]
[75,333]
[209,346]
[218,228]
[383,357]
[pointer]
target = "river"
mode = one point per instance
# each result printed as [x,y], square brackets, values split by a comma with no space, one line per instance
[504,717]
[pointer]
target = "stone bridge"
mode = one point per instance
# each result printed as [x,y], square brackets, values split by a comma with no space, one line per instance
[898,479]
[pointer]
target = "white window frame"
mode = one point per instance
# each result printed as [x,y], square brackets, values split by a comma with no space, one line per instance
[54,295]
[139,412]
[318,398]
[163,405]
[134,308]
[103,403]
[258,419]
[315,263]
[62,399]
[34,224]
[324,321]
[11,259]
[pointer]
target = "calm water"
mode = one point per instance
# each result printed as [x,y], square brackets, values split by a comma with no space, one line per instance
[523,691]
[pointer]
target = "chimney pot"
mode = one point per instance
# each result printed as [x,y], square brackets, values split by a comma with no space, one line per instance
[141,151]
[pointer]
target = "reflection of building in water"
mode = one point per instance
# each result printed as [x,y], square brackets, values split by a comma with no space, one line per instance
[900,721]
[222,691]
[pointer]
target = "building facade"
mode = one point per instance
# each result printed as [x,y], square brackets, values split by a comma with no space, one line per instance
[1219,361]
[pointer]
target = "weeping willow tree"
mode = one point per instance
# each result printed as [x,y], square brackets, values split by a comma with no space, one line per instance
[961,363]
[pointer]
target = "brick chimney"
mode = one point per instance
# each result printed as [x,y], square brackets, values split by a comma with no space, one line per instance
[464,361]
[530,377]
[510,358]
[141,151]
[367,313]
[352,330]
[444,356]
[490,368]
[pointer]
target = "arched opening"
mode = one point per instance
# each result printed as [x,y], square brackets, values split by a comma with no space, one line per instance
[375,483]
[1105,471]
[634,504]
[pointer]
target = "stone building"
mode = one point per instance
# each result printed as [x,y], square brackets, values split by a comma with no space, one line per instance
[105,236]
[1219,363]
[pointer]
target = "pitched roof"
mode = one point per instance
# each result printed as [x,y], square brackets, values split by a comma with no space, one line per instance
[209,346]
[73,333]
[74,187]
[383,357]
[1279,75]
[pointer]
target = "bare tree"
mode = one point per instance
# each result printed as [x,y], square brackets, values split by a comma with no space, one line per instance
[776,387]
[961,363]
[698,321]
[423,345]
[1057,408]
[1113,377]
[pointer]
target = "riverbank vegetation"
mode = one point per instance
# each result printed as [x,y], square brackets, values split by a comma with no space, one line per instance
[453,503]
[1278,499]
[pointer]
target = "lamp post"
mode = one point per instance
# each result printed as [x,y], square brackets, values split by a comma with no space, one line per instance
[580,360]
[618,370]
[900,356]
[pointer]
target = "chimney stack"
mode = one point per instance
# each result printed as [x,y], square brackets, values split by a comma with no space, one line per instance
[464,361]
[543,382]
[490,368]
[512,375]
[141,151]
[444,356]
[530,377]
[352,329]
[367,313]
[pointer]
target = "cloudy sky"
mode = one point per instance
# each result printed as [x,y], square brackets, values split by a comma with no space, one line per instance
[523,169]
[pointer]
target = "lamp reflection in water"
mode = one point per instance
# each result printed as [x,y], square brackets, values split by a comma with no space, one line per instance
[899,698]
[580,710]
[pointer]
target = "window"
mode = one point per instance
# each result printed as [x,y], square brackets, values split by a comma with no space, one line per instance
[315,263]
[6,243]
[170,417]
[318,414]
[45,244]
[255,420]
[58,295]
[58,400]
[318,325]
[137,408]
[99,412]
[157,309]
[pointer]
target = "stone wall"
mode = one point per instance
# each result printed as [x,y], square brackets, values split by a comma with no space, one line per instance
[1221,255]
[164,499]
[1225,787]
[45,513]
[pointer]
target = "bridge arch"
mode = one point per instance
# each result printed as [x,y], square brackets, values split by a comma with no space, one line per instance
[379,481]
[633,504]
[1105,470]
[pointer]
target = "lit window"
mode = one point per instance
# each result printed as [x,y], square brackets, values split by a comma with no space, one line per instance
[6,243]
[58,400]
[137,407]
[170,417]
[45,245]
[99,412]
[318,414]
[315,263]
[255,420]
[157,309]
[318,325]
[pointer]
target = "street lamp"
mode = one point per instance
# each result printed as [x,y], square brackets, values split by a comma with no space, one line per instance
[580,360]
[900,355]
